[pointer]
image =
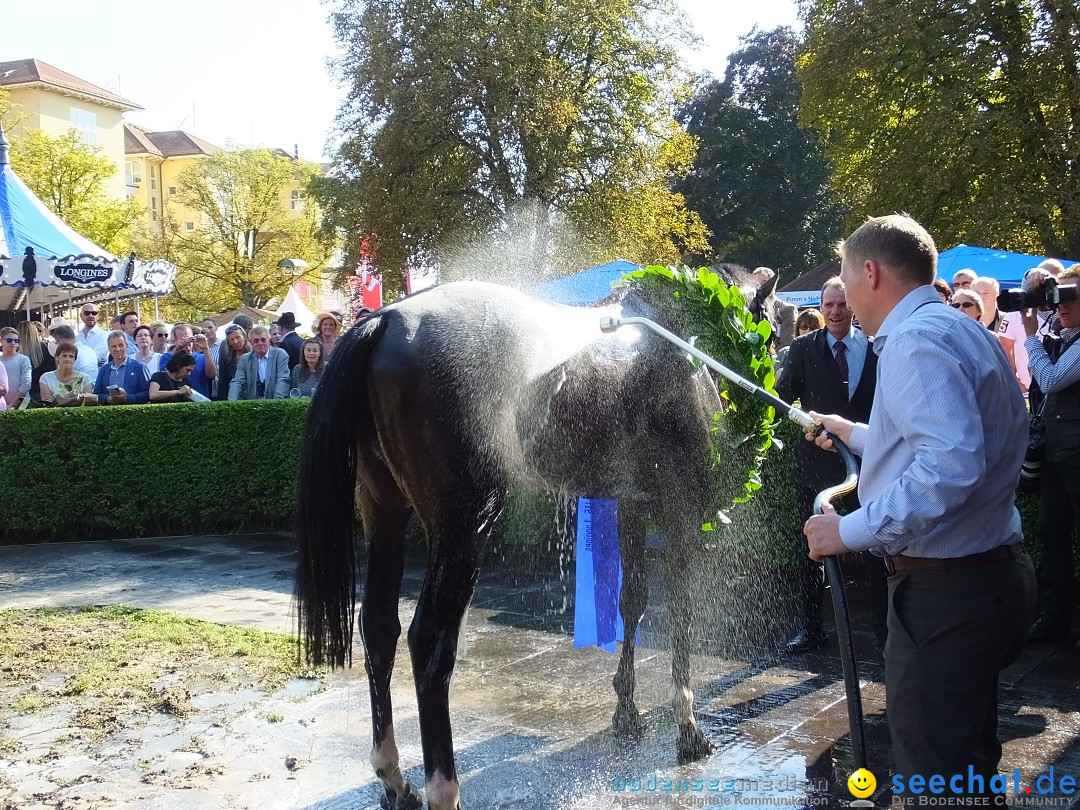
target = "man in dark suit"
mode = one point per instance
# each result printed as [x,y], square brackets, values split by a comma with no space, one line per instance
[290,341]
[831,370]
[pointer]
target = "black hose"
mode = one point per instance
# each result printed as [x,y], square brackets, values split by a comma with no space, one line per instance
[843,615]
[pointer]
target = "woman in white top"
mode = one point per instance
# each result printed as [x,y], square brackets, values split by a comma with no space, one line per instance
[144,342]
[66,386]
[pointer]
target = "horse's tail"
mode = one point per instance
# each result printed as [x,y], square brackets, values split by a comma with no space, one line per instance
[338,419]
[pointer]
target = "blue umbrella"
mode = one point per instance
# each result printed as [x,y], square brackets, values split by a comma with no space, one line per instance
[1008,268]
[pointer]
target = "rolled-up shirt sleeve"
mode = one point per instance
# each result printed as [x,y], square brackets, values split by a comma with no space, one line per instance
[1052,377]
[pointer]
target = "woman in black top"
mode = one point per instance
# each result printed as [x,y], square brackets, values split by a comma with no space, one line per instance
[41,362]
[171,385]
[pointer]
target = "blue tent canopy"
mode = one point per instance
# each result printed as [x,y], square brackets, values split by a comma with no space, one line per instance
[585,287]
[41,257]
[1008,268]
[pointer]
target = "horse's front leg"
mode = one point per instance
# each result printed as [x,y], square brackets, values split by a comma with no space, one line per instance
[692,744]
[381,629]
[632,600]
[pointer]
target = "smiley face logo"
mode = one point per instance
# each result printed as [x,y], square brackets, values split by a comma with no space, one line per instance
[861,783]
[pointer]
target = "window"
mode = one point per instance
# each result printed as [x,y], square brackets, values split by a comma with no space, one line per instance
[172,190]
[189,226]
[153,177]
[85,123]
[153,215]
[296,200]
[133,172]
[174,227]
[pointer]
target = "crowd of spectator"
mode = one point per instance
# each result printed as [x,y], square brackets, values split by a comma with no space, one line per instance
[65,365]
[1043,353]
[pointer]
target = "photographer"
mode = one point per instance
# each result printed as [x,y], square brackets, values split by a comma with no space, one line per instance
[1055,374]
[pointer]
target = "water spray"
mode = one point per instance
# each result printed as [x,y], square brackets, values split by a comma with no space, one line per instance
[609,324]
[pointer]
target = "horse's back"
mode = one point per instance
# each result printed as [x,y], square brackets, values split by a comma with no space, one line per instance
[452,373]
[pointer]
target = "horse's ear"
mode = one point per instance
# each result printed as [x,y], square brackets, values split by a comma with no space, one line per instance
[767,279]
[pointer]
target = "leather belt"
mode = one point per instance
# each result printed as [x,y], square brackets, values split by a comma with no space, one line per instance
[903,563]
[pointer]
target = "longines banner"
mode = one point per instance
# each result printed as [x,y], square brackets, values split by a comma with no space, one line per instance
[82,274]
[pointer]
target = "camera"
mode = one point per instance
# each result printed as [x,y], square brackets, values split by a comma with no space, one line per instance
[1046,296]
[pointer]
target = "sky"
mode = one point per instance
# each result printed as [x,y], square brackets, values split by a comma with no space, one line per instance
[234,72]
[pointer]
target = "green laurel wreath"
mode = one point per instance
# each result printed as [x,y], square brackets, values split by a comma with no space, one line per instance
[713,317]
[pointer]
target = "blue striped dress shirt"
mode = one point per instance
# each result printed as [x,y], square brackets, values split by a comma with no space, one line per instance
[942,452]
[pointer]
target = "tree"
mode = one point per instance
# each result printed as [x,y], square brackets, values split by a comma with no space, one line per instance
[246,227]
[70,177]
[760,180]
[965,114]
[535,136]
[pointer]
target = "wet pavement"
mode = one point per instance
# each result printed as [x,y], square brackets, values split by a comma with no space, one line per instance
[531,714]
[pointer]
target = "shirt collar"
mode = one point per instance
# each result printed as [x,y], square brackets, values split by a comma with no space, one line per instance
[918,297]
[831,340]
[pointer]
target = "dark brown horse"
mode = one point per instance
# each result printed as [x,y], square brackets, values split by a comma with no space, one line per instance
[437,405]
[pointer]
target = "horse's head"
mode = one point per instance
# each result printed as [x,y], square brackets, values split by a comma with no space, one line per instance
[757,288]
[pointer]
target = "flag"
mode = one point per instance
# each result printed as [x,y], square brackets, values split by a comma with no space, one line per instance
[370,290]
[597,621]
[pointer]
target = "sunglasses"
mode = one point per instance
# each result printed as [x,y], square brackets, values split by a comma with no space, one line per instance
[232,327]
[90,312]
[963,305]
[163,334]
[12,340]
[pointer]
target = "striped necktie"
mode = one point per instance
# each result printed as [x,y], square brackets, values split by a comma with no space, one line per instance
[840,351]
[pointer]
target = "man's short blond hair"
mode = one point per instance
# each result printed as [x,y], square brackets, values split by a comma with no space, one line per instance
[899,243]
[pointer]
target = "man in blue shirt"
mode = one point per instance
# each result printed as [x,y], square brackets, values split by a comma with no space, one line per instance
[941,458]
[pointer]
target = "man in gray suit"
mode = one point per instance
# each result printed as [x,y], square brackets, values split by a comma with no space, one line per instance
[262,373]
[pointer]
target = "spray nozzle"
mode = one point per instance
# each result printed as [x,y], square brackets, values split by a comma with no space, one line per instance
[609,324]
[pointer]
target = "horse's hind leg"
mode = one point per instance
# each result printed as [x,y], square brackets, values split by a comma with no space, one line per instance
[692,745]
[457,543]
[626,721]
[379,625]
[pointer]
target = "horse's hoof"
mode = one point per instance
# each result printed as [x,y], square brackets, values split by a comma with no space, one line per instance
[409,800]
[627,724]
[692,745]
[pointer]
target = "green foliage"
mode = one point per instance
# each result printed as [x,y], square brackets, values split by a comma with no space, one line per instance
[503,138]
[760,180]
[714,318]
[149,469]
[246,228]
[965,115]
[70,177]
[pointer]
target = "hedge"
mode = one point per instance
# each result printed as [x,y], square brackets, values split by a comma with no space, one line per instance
[151,470]
[148,470]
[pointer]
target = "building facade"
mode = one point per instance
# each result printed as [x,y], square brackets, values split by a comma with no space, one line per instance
[46,98]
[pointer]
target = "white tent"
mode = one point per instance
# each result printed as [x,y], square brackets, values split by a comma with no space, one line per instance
[294,303]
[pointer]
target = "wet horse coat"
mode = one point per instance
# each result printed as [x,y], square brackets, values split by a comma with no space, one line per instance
[436,405]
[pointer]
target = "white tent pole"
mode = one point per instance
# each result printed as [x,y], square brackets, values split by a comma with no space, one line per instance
[156,316]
